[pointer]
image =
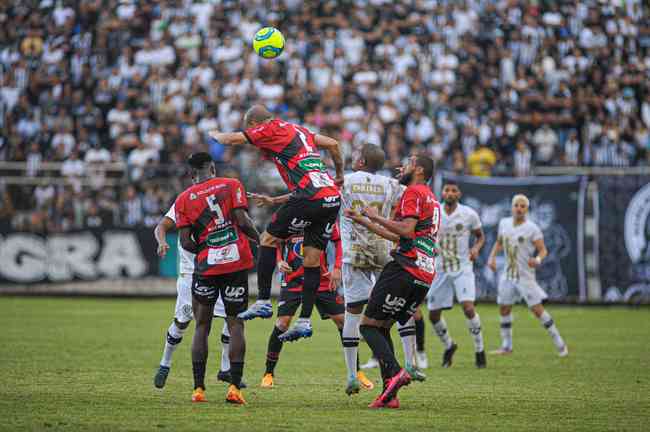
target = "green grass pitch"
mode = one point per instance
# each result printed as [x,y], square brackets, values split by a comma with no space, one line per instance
[87,364]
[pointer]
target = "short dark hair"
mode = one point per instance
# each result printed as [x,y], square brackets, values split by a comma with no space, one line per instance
[374,157]
[199,160]
[426,163]
[450,182]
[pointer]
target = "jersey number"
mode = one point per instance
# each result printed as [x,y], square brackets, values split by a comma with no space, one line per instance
[216,208]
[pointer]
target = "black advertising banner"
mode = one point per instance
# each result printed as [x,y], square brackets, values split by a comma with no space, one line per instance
[624,237]
[556,205]
[79,255]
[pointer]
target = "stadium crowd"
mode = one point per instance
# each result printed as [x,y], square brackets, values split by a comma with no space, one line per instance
[485,87]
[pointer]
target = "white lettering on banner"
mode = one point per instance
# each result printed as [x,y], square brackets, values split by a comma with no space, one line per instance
[30,258]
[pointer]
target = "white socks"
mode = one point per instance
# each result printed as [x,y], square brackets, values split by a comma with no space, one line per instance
[549,325]
[174,337]
[407,334]
[225,348]
[474,326]
[506,331]
[351,338]
[441,330]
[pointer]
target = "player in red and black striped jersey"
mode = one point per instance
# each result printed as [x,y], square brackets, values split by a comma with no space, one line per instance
[404,282]
[213,224]
[311,209]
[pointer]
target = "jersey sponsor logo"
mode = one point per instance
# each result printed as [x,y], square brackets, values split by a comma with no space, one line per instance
[222,237]
[312,164]
[372,189]
[297,247]
[426,245]
[328,230]
[331,201]
[224,255]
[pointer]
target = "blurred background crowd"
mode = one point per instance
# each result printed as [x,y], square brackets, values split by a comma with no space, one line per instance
[121,91]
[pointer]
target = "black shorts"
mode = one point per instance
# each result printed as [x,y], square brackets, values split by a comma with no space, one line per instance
[232,287]
[327,303]
[396,295]
[315,219]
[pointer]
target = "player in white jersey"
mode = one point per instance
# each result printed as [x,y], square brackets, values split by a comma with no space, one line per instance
[520,238]
[365,254]
[183,312]
[455,272]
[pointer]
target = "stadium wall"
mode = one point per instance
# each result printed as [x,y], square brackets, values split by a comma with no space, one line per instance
[598,233]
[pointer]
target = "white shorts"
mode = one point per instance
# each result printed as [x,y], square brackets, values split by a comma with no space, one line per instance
[357,284]
[511,292]
[183,311]
[445,285]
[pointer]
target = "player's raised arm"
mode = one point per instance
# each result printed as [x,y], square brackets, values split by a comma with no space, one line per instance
[334,149]
[229,138]
[246,224]
[160,232]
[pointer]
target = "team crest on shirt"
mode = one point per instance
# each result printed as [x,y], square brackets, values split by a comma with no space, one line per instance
[193,196]
[459,227]
[297,247]
[520,239]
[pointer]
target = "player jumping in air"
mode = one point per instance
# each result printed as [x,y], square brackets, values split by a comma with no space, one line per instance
[404,282]
[214,224]
[312,208]
[183,311]
[365,254]
[455,273]
[521,239]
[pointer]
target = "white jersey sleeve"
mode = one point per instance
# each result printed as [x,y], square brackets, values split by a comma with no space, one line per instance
[186,263]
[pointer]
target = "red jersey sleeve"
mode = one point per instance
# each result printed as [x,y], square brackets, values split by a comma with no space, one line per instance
[238,195]
[182,217]
[410,204]
[272,135]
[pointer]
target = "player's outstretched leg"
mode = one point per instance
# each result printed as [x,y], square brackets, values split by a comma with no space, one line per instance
[506,331]
[393,375]
[474,326]
[407,334]
[237,354]
[547,322]
[420,347]
[440,327]
[175,334]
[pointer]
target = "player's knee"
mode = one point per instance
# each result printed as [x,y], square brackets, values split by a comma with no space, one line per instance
[468,310]
[181,325]
[338,320]
[434,315]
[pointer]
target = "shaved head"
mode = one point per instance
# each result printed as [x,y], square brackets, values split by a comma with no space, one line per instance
[374,157]
[255,115]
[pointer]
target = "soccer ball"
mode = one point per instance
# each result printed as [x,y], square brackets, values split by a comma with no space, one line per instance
[268,42]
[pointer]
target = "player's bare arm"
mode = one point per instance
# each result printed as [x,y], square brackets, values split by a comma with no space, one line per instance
[187,242]
[478,244]
[262,200]
[542,252]
[160,233]
[246,224]
[404,228]
[496,249]
[334,149]
[365,222]
[229,138]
